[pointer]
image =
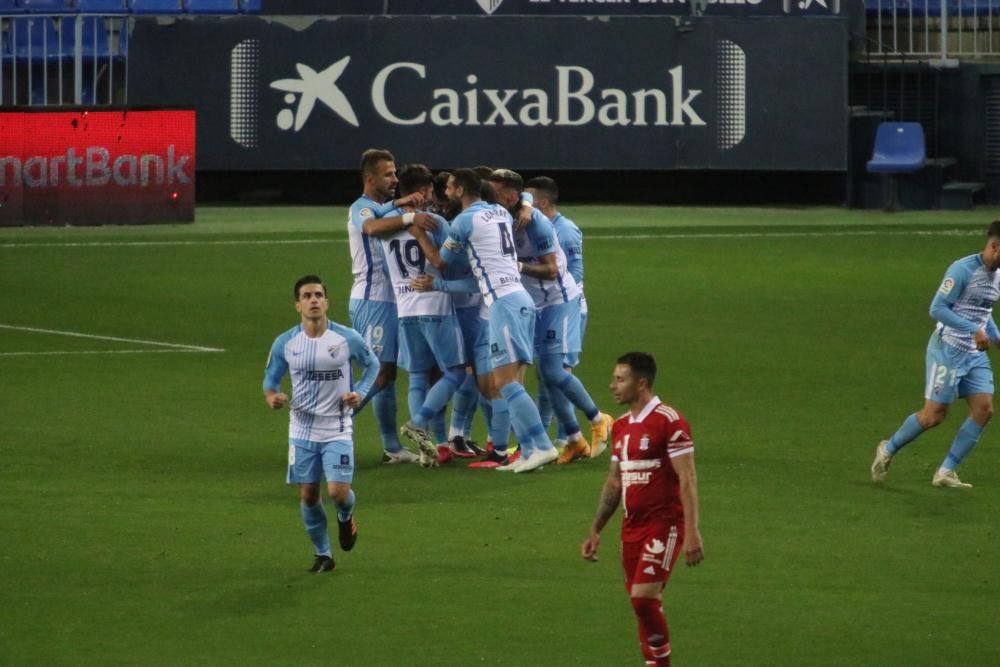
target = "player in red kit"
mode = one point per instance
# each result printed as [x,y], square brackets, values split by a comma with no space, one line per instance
[652,474]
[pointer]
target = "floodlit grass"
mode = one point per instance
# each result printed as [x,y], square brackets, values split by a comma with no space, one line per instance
[145,520]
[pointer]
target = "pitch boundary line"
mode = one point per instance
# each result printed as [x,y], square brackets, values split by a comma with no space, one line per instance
[64,352]
[590,236]
[177,347]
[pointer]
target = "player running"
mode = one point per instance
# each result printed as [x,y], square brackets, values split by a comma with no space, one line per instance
[317,353]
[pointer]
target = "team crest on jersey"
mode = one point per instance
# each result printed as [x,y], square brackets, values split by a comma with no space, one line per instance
[366,213]
[644,442]
[655,546]
[947,285]
[333,350]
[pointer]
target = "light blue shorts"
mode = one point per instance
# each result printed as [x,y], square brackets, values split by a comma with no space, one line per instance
[512,329]
[953,373]
[376,322]
[471,324]
[558,329]
[427,341]
[481,351]
[572,359]
[309,461]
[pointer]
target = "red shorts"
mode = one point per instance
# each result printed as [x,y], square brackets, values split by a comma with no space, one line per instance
[652,559]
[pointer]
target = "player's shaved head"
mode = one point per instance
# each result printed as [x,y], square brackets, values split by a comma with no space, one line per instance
[371,158]
[642,365]
[311,279]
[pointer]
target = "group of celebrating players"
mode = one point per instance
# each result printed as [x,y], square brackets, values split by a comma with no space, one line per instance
[463,281]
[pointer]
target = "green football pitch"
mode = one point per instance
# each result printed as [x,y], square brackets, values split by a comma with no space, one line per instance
[144,518]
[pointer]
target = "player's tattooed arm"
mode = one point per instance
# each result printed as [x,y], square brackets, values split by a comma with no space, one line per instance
[611,495]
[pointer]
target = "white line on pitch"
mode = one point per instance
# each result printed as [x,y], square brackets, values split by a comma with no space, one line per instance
[76,334]
[589,236]
[62,352]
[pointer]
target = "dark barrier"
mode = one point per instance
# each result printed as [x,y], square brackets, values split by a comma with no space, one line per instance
[556,93]
[552,7]
[96,167]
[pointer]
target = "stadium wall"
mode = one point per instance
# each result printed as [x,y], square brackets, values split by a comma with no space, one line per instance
[281,98]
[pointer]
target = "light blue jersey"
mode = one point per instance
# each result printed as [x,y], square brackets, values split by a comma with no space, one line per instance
[320,370]
[533,243]
[371,282]
[405,261]
[964,303]
[571,240]
[484,233]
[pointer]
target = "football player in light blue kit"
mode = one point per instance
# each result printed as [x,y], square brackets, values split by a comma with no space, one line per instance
[957,365]
[372,307]
[556,298]
[545,194]
[317,354]
[429,335]
[484,233]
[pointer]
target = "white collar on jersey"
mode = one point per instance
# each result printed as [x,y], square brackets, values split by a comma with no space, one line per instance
[653,402]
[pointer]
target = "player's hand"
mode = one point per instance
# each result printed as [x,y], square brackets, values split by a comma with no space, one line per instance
[351,399]
[523,217]
[423,283]
[982,340]
[589,547]
[276,401]
[694,550]
[424,221]
[414,199]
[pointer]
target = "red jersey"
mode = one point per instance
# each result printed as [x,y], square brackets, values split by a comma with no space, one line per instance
[643,447]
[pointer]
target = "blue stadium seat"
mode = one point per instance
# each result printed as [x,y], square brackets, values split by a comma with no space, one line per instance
[102,6]
[899,149]
[211,6]
[49,6]
[250,6]
[34,39]
[93,39]
[10,7]
[155,6]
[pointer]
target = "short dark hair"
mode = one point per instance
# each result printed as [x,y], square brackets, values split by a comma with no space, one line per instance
[467,179]
[441,183]
[994,231]
[643,365]
[306,280]
[412,177]
[546,186]
[485,189]
[371,157]
[508,178]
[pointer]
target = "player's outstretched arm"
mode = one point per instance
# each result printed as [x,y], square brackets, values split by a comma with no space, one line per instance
[611,495]
[694,550]
[548,269]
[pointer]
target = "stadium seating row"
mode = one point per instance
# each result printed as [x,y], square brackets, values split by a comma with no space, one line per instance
[920,8]
[130,6]
[41,38]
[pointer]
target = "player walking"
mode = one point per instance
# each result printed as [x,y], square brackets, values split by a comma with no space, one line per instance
[653,476]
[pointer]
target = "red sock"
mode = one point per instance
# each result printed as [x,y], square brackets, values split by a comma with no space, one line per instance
[653,631]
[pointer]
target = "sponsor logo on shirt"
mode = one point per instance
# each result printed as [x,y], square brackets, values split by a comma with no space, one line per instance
[366,213]
[630,478]
[321,376]
[650,570]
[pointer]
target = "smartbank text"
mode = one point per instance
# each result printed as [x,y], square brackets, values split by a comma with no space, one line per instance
[95,168]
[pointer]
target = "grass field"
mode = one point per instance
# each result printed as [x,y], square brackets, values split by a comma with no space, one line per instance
[145,521]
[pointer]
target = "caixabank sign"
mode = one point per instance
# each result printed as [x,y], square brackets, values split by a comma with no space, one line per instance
[554,93]
[97,167]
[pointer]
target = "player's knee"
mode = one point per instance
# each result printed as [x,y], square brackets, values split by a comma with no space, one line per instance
[931,417]
[386,374]
[340,493]
[983,414]
[309,496]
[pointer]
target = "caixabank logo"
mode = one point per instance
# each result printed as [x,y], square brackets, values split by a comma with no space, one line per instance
[572,95]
